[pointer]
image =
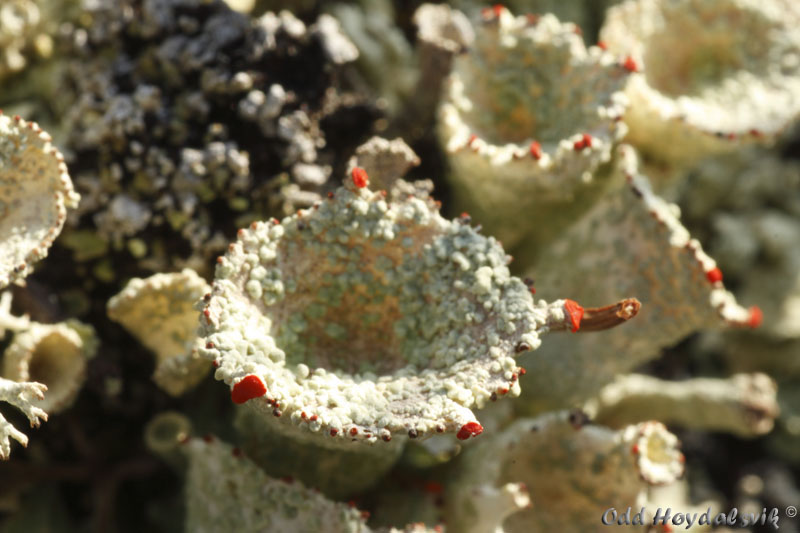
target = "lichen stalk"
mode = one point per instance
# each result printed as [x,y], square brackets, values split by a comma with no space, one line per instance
[744,404]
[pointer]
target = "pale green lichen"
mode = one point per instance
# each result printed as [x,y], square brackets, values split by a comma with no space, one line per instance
[568,468]
[55,355]
[716,73]
[35,191]
[159,311]
[744,404]
[226,491]
[366,319]
[630,243]
[528,117]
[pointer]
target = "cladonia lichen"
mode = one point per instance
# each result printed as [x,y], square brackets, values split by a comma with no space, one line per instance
[360,319]
[35,192]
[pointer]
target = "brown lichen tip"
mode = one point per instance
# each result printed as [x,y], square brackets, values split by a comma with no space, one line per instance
[35,192]
[159,311]
[22,396]
[360,319]
[717,73]
[577,318]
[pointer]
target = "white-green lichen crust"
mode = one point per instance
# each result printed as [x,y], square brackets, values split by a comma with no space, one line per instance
[715,72]
[159,311]
[365,318]
[570,469]
[225,491]
[631,244]
[528,81]
[35,191]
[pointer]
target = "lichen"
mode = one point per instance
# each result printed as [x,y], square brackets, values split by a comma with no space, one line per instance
[568,467]
[716,74]
[528,116]
[35,192]
[159,312]
[636,244]
[55,355]
[361,319]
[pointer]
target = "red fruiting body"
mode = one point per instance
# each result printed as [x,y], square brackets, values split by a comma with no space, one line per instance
[472,139]
[248,388]
[313,418]
[216,365]
[535,150]
[635,449]
[602,45]
[495,11]
[470,429]
[756,317]
[433,487]
[630,65]
[522,371]
[353,431]
[502,390]
[714,275]
[575,313]
[585,142]
[334,432]
[360,178]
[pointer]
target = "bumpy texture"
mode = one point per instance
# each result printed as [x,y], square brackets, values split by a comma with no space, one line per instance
[187,120]
[528,116]
[569,469]
[55,355]
[35,191]
[631,243]
[359,319]
[159,311]
[716,73]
